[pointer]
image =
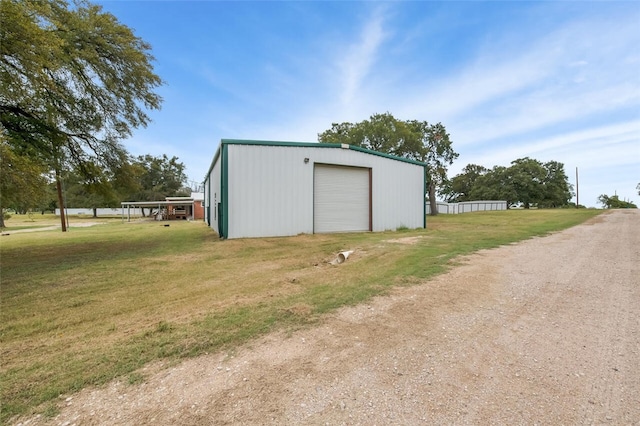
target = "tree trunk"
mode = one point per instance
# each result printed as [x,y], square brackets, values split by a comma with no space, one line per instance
[432,200]
[95,212]
[61,202]
[2,218]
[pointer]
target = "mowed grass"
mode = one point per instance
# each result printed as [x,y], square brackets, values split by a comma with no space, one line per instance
[97,303]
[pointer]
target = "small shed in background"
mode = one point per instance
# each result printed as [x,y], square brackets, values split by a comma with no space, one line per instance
[267,189]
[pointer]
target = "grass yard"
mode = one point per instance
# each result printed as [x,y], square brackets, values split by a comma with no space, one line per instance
[84,307]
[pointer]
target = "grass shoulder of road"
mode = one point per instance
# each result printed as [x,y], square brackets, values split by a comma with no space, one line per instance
[84,307]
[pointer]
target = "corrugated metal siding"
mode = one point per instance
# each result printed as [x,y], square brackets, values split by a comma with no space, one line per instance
[340,198]
[271,189]
[398,195]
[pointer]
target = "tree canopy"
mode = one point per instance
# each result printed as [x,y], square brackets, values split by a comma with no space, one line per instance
[158,177]
[74,83]
[526,181]
[22,181]
[100,188]
[412,139]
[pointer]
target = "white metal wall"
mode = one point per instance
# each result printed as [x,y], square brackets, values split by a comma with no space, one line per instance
[270,189]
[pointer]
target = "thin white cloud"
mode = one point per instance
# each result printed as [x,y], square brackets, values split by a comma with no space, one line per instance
[536,111]
[594,147]
[360,56]
[578,70]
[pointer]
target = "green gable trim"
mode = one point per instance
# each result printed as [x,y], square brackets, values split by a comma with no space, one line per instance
[280,143]
[424,199]
[319,145]
[223,212]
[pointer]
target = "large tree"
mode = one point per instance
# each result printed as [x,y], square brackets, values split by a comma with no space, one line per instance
[413,139]
[495,184]
[557,189]
[74,82]
[540,184]
[459,188]
[527,178]
[526,181]
[158,178]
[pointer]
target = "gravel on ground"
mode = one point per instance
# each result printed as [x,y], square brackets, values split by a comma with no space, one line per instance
[546,331]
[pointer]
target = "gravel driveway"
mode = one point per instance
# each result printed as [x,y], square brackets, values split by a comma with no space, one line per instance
[546,331]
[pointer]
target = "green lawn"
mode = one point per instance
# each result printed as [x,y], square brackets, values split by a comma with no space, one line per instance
[83,307]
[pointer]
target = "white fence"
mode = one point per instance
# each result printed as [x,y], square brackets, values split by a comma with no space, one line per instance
[468,206]
[443,208]
[100,212]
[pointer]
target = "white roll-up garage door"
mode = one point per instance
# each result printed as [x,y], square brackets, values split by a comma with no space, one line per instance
[341,199]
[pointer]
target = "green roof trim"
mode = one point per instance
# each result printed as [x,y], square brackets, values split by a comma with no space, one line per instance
[319,145]
[223,212]
[280,143]
[305,145]
[424,201]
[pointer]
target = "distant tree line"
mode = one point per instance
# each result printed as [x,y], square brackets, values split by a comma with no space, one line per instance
[614,202]
[527,181]
[27,186]
[144,178]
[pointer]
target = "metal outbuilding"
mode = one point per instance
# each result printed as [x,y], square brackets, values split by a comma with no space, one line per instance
[267,189]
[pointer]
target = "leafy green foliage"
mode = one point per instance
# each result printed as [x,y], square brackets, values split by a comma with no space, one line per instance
[158,177]
[72,75]
[614,202]
[94,192]
[495,185]
[74,82]
[459,188]
[526,181]
[22,181]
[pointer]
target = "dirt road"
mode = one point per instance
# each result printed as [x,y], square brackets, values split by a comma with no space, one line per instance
[542,332]
[52,228]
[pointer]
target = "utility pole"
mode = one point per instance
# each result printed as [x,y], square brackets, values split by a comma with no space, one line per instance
[577,191]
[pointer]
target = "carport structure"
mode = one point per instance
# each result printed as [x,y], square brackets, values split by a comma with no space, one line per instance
[162,210]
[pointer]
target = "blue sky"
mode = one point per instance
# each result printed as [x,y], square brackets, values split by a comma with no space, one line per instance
[547,80]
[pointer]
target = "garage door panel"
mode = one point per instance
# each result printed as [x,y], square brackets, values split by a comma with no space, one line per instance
[341,198]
